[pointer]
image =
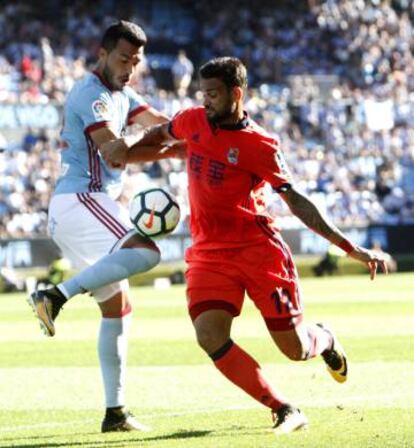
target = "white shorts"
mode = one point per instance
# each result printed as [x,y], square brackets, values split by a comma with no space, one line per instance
[87,226]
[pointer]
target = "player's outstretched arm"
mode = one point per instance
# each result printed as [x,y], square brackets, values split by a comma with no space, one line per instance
[156,144]
[302,207]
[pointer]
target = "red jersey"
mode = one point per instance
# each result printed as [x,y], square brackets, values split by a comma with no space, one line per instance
[227,168]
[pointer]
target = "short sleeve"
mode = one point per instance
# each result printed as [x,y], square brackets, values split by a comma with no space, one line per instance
[179,125]
[271,166]
[95,109]
[137,104]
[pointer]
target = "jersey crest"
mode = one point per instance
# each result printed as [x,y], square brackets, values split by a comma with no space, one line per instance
[233,155]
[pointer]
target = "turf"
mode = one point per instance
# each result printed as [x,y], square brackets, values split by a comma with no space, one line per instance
[51,393]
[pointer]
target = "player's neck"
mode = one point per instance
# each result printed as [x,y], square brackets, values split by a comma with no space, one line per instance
[99,72]
[234,118]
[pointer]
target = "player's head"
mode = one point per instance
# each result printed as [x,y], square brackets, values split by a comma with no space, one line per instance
[122,48]
[222,82]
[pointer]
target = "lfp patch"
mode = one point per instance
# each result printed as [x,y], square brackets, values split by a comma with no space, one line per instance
[100,110]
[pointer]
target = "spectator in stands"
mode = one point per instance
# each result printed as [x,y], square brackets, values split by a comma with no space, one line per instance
[182,71]
[363,46]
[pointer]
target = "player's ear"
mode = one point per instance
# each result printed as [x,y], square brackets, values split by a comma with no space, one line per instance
[102,53]
[238,93]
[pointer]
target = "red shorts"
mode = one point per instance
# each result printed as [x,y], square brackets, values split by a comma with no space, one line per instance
[219,279]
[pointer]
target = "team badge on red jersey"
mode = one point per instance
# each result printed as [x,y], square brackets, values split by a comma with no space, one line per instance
[233,156]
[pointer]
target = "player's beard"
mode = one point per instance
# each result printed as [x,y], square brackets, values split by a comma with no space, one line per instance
[109,77]
[224,115]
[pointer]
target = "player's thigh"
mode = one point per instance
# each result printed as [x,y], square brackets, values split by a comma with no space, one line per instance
[273,284]
[213,286]
[87,227]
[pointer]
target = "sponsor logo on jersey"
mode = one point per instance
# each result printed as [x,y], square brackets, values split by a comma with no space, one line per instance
[100,110]
[233,155]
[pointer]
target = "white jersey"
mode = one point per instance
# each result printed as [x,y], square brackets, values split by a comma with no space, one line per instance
[90,105]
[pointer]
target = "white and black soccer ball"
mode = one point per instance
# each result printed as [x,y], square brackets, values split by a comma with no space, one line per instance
[154,212]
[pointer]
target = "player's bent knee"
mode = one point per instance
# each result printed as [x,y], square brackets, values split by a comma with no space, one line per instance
[141,259]
[151,256]
[116,306]
[294,353]
[209,340]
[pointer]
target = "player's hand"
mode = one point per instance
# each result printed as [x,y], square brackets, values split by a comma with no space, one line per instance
[177,150]
[115,152]
[371,259]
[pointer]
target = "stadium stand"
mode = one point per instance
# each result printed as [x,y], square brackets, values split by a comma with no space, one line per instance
[335,81]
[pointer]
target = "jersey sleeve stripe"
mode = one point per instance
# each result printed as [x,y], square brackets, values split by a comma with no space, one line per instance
[137,111]
[94,126]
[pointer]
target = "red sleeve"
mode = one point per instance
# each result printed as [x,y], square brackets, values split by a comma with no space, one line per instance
[270,165]
[179,126]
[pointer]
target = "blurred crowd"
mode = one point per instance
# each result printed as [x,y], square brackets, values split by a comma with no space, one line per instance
[334,81]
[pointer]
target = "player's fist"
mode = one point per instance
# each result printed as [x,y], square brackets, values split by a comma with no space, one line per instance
[115,152]
[177,150]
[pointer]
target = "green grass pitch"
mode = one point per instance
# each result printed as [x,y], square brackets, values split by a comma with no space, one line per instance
[51,393]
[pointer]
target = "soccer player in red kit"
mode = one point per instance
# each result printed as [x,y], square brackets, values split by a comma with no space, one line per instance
[237,247]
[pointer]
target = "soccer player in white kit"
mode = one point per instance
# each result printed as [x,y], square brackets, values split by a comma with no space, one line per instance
[91,228]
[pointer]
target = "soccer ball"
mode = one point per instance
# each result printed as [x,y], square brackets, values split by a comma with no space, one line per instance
[154,212]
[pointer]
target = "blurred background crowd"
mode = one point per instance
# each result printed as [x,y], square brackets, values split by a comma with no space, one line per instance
[333,79]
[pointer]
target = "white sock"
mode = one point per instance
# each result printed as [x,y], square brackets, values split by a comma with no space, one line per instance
[113,350]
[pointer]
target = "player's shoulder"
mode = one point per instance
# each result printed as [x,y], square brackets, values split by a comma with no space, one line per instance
[131,93]
[262,136]
[89,87]
[88,92]
[186,120]
[193,111]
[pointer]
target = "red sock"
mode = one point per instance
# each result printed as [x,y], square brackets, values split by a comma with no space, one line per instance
[242,370]
[319,341]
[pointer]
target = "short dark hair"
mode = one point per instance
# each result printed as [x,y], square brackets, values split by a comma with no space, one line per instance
[230,70]
[129,31]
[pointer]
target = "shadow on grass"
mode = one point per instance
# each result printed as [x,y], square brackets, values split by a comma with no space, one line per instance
[101,443]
